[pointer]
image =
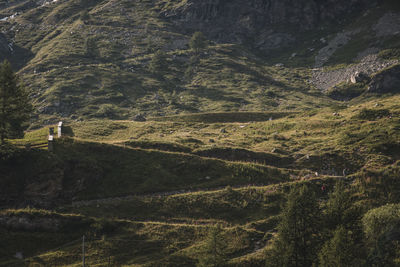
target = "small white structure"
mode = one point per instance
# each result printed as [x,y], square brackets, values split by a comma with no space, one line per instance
[59,130]
[50,145]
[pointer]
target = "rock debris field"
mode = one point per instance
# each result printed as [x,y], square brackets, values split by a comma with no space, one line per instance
[325,79]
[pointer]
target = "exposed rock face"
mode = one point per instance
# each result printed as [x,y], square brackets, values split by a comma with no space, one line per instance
[388,25]
[387,81]
[325,53]
[268,23]
[29,223]
[358,77]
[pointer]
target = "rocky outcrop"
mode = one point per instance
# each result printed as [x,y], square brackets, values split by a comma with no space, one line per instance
[358,77]
[29,223]
[268,23]
[139,118]
[32,220]
[342,38]
[387,81]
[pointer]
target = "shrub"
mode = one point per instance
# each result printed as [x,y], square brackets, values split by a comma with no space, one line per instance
[371,114]
[198,42]
[106,110]
[382,229]
[346,91]
[158,63]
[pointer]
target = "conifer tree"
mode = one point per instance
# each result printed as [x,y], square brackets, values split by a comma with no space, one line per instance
[297,242]
[90,47]
[340,250]
[198,42]
[338,206]
[158,63]
[15,106]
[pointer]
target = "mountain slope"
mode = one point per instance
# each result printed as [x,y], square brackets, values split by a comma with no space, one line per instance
[85,59]
[288,94]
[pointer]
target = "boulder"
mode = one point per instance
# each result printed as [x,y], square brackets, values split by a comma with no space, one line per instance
[386,81]
[139,117]
[358,77]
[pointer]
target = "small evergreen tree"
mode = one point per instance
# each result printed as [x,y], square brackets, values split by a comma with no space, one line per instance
[342,224]
[214,250]
[338,207]
[198,42]
[297,242]
[158,63]
[15,106]
[340,250]
[90,47]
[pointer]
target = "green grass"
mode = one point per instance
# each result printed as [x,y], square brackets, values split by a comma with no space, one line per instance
[132,171]
[113,80]
[135,159]
[221,144]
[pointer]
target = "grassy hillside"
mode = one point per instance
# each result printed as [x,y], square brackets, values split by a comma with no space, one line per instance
[91,59]
[230,130]
[148,193]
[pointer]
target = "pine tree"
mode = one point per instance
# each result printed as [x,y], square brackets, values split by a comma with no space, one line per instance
[15,106]
[340,251]
[298,231]
[158,63]
[214,250]
[198,42]
[338,206]
[90,47]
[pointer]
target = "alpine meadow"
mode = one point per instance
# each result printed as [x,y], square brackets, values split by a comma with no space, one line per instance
[204,133]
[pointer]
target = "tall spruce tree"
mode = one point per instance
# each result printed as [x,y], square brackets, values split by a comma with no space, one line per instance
[15,106]
[298,232]
[343,231]
[338,207]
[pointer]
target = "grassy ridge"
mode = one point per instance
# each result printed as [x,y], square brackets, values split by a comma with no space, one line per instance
[132,158]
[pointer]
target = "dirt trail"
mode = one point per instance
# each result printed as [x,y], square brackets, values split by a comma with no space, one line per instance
[112,200]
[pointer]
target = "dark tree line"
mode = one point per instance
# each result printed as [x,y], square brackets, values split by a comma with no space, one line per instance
[15,107]
[336,233]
